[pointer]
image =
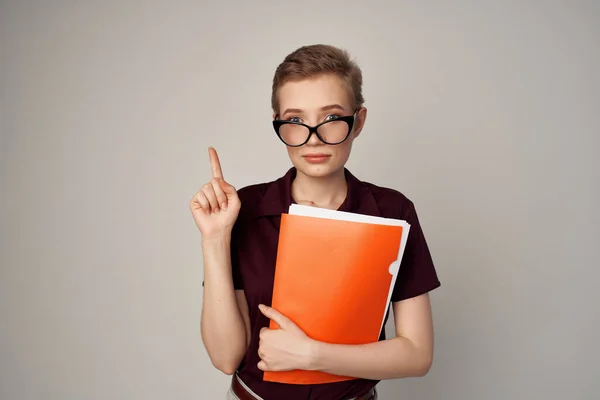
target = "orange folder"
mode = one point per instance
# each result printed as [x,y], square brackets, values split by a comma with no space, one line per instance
[333,277]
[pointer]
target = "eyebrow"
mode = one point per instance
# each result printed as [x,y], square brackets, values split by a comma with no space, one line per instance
[325,108]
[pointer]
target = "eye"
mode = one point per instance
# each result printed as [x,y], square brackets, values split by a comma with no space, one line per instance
[331,117]
[294,119]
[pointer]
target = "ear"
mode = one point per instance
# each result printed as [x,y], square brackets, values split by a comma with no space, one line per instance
[359,121]
[274,115]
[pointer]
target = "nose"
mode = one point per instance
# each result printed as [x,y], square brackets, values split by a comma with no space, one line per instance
[314,140]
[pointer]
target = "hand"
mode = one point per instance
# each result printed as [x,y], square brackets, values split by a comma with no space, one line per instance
[286,348]
[216,206]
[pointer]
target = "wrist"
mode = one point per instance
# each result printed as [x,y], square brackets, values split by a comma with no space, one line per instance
[217,239]
[315,355]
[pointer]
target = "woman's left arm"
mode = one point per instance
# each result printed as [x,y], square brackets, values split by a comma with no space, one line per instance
[409,354]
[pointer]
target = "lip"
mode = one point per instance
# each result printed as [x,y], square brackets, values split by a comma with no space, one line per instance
[316,158]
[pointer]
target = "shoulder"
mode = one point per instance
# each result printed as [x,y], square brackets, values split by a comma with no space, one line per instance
[253,192]
[263,199]
[251,198]
[392,203]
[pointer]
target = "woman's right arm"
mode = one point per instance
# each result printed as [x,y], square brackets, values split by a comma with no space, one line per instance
[224,321]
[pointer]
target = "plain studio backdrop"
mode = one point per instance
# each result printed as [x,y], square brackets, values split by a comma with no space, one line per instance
[485,113]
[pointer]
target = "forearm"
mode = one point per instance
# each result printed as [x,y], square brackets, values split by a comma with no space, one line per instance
[222,325]
[387,359]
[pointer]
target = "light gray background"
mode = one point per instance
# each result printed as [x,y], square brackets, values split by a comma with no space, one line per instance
[485,113]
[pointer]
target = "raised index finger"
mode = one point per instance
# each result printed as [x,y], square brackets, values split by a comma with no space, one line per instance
[214,163]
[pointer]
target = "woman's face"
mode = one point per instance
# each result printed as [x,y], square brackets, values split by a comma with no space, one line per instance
[312,101]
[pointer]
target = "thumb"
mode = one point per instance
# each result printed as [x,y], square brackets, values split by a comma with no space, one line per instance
[271,313]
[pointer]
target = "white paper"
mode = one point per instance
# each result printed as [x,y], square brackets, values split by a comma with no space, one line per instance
[308,211]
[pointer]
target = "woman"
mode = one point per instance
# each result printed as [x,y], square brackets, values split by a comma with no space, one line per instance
[318,113]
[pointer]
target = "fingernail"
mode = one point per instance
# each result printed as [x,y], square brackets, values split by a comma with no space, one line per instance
[224,206]
[216,211]
[207,212]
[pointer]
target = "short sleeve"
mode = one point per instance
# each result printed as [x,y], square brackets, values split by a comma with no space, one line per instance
[417,274]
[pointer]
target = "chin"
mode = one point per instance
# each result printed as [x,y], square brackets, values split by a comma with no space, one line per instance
[317,170]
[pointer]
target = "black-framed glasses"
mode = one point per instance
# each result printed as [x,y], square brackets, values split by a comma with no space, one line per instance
[332,131]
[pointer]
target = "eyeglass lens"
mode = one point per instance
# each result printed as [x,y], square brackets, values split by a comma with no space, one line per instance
[332,132]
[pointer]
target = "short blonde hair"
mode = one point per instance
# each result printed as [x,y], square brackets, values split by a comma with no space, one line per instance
[313,60]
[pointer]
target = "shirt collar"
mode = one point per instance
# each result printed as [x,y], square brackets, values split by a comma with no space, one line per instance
[278,196]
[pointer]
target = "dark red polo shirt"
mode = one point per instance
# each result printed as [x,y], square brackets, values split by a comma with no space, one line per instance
[254,251]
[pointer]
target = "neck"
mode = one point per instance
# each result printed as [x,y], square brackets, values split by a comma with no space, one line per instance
[326,192]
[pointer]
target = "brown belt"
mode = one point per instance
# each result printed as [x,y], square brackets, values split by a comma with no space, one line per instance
[240,391]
